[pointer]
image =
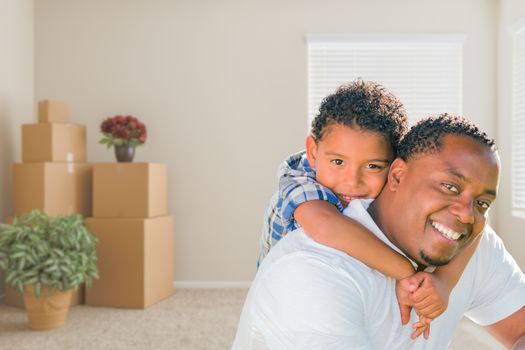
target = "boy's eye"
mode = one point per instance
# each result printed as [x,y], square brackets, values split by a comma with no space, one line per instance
[337,161]
[451,188]
[374,166]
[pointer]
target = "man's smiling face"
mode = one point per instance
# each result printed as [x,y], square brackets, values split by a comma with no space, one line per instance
[440,201]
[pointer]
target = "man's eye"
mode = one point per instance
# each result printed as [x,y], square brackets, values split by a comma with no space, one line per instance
[484,205]
[337,161]
[451,187]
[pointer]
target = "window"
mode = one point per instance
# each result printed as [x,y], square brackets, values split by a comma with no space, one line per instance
[518,125]
[423,71]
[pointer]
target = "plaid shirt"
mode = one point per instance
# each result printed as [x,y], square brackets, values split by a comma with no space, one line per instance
[297,184]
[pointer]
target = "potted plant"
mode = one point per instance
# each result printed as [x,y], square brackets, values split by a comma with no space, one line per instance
[125,133]
[46,258]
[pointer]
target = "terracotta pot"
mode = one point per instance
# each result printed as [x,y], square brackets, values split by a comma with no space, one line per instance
[124,153]
[49,310]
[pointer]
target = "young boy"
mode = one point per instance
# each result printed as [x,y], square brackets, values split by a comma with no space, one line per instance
[352,143]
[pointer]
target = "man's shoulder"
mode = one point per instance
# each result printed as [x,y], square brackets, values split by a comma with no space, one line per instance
[318,290]
[487,257]
[491,258]
[490,242]
[492,281]
[298,255]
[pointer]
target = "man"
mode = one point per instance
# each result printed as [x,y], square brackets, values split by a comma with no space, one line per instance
[308,296]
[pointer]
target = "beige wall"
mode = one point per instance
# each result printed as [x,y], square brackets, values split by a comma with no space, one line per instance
[222,86]
[511,13]
[16,89]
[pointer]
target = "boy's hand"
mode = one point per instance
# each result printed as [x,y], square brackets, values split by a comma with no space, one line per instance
[431,298]
[427,295]
[404,290]
[421,327]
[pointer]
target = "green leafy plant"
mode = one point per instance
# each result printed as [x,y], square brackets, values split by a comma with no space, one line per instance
[58,252]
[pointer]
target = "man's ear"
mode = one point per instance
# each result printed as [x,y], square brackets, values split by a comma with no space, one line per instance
[397,172]
[311,150]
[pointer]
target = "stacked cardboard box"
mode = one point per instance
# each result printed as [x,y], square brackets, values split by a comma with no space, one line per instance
[53,175]
[135,232]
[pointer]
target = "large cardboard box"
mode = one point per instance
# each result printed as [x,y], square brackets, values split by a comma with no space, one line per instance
[135,262]
[57,188]
[53,142]
[16,299]
[129,190]
[53,112]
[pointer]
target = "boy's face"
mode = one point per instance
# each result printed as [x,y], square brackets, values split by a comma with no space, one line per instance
[353,163]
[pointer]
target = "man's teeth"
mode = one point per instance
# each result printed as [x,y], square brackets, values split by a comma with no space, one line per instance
[446,231]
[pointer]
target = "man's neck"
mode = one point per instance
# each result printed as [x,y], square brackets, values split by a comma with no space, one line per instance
[379,213]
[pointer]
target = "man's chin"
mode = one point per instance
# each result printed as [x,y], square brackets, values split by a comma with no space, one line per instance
[433,261]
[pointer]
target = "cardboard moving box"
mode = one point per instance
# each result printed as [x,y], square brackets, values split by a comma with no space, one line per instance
[53,142]
[57,188]
[135,261]
[129,190]
[53,111]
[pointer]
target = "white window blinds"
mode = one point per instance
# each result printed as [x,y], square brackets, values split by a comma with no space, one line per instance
[518,125]
[423,71]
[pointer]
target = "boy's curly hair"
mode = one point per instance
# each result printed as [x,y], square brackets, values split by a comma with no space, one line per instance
[364,104]
[426,137]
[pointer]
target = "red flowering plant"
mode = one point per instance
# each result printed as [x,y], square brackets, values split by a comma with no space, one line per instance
[123,130]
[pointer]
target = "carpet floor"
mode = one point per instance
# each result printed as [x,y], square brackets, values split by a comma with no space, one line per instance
[192,319]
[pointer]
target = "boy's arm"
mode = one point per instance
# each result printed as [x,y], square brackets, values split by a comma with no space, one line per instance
[326,225]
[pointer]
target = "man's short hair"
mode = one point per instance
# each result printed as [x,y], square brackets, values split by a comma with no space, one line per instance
[364,104]
[426,137]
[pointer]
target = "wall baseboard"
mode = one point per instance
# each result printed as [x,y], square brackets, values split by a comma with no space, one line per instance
[211,284]
[202,285]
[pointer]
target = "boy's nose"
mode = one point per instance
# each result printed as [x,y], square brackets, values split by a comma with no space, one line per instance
[353,179]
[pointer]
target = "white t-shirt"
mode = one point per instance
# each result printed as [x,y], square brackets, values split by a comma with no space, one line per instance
[309,296]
